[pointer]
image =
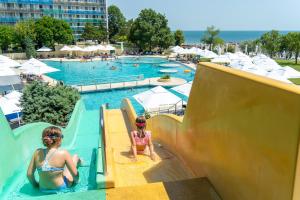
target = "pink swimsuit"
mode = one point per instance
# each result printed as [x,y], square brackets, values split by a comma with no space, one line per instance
[141,141]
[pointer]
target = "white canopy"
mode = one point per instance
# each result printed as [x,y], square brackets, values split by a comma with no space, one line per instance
[221,59]
[263,61]
[66,48]
[290,72]
[77,48]
[176,49]
[184,89]
[44,49]
[7,62]
[110,48]
[90,48]
[158,99]
[8,107]
[14,97]
[6,71]
[36,67]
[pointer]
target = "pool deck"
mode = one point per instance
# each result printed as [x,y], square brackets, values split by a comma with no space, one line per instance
[130,84]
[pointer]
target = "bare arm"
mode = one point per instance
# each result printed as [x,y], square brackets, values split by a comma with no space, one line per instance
[71,166]
[30,171]
[133,145]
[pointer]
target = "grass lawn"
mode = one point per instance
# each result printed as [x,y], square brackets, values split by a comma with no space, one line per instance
[291,63]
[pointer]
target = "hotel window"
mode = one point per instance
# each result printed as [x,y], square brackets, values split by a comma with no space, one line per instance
[60,16]
[31,6]
[32,15]
[59,7]
[51,7]
[40,6]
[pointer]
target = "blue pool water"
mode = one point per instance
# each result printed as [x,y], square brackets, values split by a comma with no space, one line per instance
[85,73]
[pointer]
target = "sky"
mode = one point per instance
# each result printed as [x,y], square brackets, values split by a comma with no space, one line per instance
[224,14]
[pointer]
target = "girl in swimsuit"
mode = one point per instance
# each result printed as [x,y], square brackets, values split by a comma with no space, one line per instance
[50,164]
[141,138]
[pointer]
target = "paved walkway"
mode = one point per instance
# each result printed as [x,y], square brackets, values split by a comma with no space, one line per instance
[130,84]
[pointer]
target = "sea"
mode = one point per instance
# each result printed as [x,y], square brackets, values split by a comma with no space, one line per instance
[194,37]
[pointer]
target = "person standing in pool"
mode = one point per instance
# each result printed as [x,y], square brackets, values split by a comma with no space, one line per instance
[141,139]
[56,167]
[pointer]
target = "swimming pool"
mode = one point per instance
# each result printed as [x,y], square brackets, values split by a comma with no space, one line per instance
[125,69]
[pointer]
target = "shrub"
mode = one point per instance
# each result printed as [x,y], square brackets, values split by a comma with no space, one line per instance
[166,77]
[54,105]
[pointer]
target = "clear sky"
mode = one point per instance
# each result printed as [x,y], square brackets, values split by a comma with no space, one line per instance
[224,14]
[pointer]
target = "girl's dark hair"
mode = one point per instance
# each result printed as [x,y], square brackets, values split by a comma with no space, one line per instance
[51,136]
[141,124]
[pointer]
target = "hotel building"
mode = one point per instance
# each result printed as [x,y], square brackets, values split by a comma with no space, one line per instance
[76,12]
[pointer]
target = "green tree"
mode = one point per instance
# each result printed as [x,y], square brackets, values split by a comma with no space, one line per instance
[89,32]
[116,22]
[6,36]
[23,30]
[271,42]
[211,36]
[150,30]
[92,32]
[179,37]
[54,105]
[50,31]
[293,44]
[29,48]
[251,45]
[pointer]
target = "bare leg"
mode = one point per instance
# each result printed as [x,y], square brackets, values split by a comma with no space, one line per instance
[67,173]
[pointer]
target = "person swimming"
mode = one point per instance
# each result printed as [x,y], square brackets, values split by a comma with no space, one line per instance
[57,169]
[113,68]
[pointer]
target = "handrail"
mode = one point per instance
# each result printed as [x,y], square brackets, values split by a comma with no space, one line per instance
[167,110]
[111,80]
[103,138]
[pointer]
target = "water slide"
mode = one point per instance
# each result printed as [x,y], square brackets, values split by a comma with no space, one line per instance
[239,139]
[166,178]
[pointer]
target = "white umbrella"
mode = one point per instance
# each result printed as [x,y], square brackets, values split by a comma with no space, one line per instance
[100,47]
[110,48]
[66,48]
[76,48]
[7,62]
[221,59]
[290,72]
[36,67]
[158,99]
[184,89]
[8,107]
[44,49]
[6,71]
[13,95]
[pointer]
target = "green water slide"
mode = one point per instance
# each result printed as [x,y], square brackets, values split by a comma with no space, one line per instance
[18,145]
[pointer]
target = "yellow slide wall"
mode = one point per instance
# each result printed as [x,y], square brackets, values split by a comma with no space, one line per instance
[241,131]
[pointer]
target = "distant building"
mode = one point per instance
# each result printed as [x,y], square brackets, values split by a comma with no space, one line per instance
[75,12]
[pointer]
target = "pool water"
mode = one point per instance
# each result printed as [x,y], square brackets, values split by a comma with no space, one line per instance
[126,69]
